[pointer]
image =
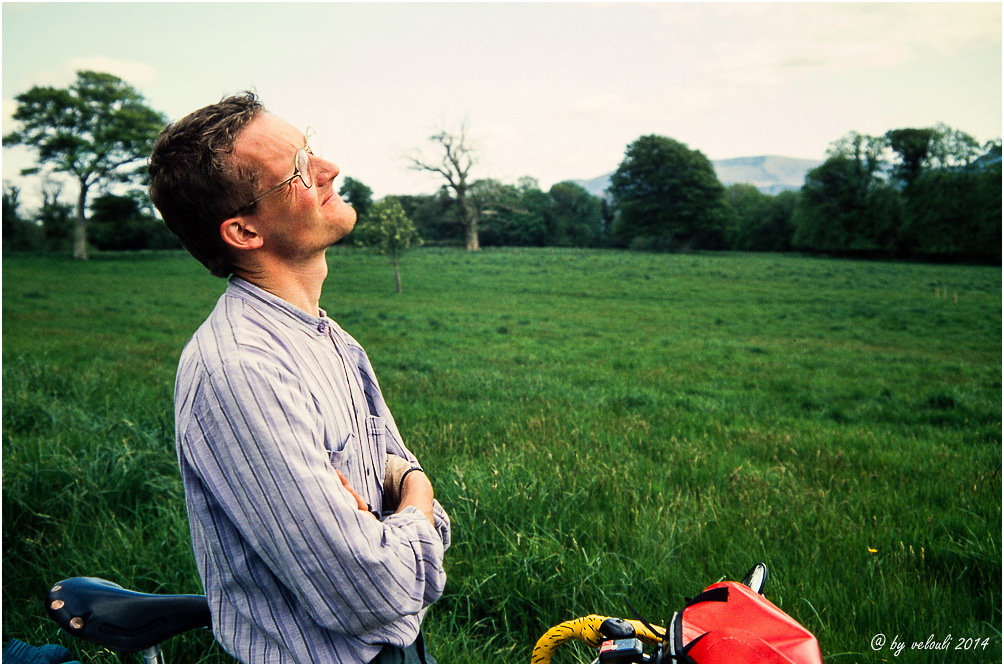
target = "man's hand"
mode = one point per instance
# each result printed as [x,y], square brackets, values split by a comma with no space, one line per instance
[416,489]
[360,502]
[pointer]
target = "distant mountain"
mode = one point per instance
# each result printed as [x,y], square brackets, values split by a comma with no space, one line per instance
[596,186]
[768,173]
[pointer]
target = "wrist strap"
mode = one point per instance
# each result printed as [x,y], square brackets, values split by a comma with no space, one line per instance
[400,485]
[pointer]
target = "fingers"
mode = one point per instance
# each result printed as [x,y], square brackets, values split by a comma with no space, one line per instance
[360,502]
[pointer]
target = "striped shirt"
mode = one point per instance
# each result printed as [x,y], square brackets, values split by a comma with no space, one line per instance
[269,403]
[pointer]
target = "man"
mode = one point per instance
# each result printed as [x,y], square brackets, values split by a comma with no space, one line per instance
[315,530]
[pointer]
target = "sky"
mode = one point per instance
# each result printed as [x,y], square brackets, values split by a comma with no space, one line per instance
[555,91]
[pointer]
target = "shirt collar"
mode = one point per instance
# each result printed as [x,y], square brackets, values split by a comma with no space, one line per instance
[250,292]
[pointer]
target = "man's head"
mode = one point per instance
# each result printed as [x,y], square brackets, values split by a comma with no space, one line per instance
[242,190]
[296,214]
[195,182]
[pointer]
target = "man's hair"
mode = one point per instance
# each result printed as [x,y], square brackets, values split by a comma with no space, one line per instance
[196,183]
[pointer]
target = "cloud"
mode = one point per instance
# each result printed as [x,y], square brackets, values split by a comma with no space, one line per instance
[133,72]
[739,39]
[61,75]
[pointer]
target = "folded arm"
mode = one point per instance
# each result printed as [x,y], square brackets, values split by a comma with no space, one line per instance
[254,441]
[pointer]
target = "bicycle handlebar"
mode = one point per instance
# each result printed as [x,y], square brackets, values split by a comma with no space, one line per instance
[587,630]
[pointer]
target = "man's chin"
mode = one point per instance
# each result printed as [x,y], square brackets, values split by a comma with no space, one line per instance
[342,231]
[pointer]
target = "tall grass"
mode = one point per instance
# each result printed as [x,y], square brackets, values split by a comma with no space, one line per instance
[605,429]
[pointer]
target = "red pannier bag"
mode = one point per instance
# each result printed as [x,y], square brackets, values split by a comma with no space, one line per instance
[729,623]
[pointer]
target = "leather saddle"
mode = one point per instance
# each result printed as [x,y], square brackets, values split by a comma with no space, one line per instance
[123,620]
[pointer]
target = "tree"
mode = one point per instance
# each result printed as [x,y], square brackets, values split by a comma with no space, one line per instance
[128,222]
[845,209]
[455,167]
[19,233]
[11,215]
[952,191]
[668,196]
[91,130]
[847,204]
[575,217]
[867,156]
[956,213]
[433,216]
[387,230]
[531,220]
[914,147]
[359,196]
[55,217]
[953,148]
[745,204]
[494,206]
[942,199]
[760,222]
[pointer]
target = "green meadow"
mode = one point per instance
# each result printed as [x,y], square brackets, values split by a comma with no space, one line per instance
[607,430]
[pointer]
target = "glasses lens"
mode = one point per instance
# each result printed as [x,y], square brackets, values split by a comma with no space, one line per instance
[303,166]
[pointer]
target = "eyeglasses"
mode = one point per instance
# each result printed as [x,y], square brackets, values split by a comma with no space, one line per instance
[301,170]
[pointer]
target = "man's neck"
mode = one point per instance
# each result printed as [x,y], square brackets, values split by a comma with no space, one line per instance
[298,285]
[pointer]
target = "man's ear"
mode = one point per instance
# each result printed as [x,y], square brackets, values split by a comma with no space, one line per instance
[238,232]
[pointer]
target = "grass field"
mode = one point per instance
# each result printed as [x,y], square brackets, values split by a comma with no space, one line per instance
[604,428]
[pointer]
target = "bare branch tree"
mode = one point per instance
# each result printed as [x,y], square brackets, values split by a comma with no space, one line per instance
[455,165]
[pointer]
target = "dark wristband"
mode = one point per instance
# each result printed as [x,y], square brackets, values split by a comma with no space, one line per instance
[400,485]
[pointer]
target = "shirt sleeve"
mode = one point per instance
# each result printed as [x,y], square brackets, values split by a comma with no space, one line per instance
[255,440]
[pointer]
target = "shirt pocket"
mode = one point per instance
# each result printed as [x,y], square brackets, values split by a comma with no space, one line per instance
[338,447]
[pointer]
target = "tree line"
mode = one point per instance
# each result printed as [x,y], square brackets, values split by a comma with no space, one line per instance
[502,214]
[932,193]
[918,193]
[927,193]
[114,222]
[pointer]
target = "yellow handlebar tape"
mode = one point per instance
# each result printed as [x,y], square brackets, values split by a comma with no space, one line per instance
[587,630]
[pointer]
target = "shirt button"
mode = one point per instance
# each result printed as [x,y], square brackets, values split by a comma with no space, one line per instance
[321,327]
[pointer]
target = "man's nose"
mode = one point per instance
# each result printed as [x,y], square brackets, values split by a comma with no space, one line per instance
[323,170]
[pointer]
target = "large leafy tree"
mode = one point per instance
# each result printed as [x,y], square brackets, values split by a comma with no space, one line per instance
[92,130]
[668,196]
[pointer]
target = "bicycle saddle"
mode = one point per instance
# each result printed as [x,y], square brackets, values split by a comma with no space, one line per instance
[119,619]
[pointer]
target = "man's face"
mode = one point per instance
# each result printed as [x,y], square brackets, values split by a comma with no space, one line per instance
[294,221]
